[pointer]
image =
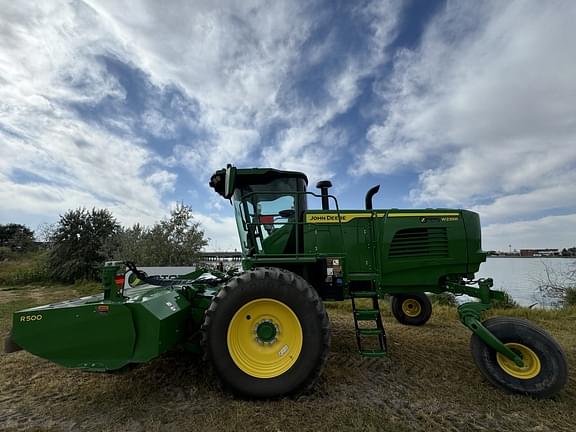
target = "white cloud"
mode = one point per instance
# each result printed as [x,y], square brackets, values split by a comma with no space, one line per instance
[157,124]
[230,57]
[163,180]
[236,58]
[548,232]
[48,63]
[221,231]
[74,166]
[307,150]
[485,110]
[312,145]
[49,60]
[233,60]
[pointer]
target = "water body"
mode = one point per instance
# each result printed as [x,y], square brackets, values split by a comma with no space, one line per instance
[520,276]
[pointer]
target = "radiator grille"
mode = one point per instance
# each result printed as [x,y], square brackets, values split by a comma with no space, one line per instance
[419,242]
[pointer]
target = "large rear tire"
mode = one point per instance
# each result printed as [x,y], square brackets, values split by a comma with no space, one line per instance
[412,309]
[267,334]
[545,369]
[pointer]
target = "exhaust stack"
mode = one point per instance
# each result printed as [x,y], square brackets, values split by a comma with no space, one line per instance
[323,186]
[368,200]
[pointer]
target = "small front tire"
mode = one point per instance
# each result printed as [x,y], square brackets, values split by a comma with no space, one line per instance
[412,309]
[545,369]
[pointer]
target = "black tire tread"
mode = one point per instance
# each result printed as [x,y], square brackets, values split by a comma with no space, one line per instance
[299,284]
[478,347]
[396,307]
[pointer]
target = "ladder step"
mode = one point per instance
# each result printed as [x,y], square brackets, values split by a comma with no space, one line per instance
[375,332]
[370,331]
[373,353]
[363,294]
[366,314]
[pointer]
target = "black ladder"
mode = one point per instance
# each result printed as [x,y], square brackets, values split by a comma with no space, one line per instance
[373,315]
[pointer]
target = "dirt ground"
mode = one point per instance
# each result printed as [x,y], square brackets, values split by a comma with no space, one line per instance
[428,383]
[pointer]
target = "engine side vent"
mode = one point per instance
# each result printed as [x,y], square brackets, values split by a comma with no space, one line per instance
[419,242]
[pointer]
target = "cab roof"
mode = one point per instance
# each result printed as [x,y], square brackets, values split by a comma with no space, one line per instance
[252,176]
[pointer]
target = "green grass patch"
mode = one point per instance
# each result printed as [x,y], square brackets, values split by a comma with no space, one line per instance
[427,383]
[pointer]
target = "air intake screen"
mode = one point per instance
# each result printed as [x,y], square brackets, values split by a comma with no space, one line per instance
[419,242]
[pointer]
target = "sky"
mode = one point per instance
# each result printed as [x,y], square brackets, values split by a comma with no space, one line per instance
[132,105]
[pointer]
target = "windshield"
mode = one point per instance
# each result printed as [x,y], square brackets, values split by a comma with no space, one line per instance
[266,216]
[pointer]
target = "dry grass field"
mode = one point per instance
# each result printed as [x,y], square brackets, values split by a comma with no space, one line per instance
[428,383]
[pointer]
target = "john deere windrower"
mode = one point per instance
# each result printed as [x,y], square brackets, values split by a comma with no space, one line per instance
[265,329]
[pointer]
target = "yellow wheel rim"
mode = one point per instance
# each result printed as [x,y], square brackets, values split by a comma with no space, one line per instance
[531,361]
[264,338]
[411,308]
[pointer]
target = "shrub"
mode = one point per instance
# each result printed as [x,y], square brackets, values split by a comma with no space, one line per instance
[559,285]
[24,269]
[78,244]
[17,237]
[570,297]
[6,253]
[443,299]
[506,303]
[171,242]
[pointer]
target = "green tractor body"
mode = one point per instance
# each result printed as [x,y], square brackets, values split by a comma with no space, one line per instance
[265,330]
[396,250]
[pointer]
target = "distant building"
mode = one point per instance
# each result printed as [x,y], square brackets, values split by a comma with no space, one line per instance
[539,252]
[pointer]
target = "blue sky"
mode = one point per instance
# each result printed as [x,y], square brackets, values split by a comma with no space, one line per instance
[131,105]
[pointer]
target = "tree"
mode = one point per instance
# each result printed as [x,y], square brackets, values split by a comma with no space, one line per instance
[44,232]
[81,242]
[18,238]
[132,245]
[170,242]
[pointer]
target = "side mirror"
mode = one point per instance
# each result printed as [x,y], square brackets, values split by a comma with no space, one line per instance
[229,182]
[223,181]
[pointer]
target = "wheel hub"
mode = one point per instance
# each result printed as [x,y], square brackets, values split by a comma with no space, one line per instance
[266,331]
[531,361]
[411,308]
